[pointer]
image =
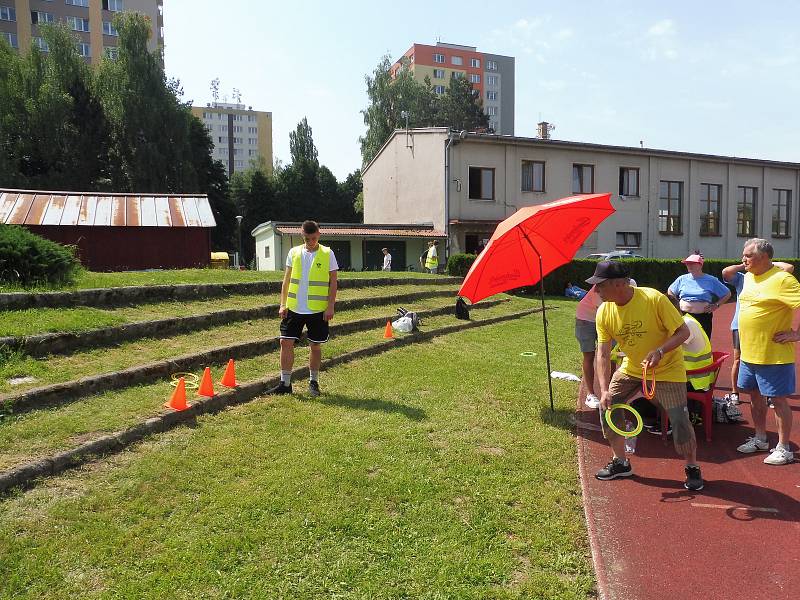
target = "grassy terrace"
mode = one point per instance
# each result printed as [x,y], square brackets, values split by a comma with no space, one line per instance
[55,369]
[431,471]
[45,320]
[89,279]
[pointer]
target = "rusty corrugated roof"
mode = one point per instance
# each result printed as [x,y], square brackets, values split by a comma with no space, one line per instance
[21,207]
[366,231]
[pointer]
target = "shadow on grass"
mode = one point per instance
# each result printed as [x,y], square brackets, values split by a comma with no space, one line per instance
[560,417]
[372,404]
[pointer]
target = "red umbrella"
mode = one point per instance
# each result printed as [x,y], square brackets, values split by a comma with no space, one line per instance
[531,243]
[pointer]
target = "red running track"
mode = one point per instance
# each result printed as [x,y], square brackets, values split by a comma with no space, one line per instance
[652,539]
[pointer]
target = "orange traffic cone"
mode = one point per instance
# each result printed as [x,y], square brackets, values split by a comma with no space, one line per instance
[178,399]
[206,385]
[387,333]
[229,378]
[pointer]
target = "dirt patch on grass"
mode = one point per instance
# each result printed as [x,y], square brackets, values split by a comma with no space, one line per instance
[490,450]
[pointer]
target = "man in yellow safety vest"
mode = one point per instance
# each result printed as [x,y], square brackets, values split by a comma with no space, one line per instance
[308,296]
[432,260]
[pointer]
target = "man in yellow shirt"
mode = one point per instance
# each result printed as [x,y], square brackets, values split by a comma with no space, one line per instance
[769,297]
[650,331]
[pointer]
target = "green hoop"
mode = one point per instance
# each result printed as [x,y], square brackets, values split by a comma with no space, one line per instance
[639,423]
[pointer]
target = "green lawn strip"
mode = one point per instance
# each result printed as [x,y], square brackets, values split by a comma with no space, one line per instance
[45,320]
[26,436]
[433,471]
[57,369]
[92,280]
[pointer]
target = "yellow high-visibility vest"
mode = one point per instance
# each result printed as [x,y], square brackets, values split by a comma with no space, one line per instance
[698,360]
[432,261]
[319,278]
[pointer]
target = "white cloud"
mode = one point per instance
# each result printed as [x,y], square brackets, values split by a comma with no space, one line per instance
[553,85]
[564,34]
[662,28]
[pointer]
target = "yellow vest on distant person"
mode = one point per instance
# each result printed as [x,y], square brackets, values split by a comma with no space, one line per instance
[319,277]
[432,261]
[698,360]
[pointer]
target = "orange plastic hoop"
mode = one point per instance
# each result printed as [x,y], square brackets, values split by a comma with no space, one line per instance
[649,392]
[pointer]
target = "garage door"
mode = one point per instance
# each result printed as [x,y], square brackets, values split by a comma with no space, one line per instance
[373,257]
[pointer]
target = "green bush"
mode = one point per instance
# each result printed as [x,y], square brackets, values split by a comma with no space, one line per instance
[27,259]
[459,264]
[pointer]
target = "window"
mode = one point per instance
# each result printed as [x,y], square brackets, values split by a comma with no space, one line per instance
[491,111]
[251,118]
[491,95]
[628,181]
[8,14]
[438,73]
[108,28]
[582,179]
[532,176]
[252,152]
[112,52]
[670,198]
[473,78]
[221,139]
[223,128]
[710,195]
[84,49]
[11,38]
[237,140]
[115,5]
[252,130]
[781,209]
[438,58]
[456,60]
[237,128]
[78,24]
[439,89]
[629,239]
[78,2]
[456,75]
[42,17]
[253,141]
[266,251]
[491,79]
[746,212]
[491,65]
[41,44]
[475,63]
[481,183]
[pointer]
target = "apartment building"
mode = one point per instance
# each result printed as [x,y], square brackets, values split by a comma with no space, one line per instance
[667,203]
[90,20]
[491,74]
[241,135]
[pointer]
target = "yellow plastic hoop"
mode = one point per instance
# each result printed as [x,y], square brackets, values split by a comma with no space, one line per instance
[191,380]
[639,423]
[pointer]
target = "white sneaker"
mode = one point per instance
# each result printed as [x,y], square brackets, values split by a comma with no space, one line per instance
[732,398]
[753,444]
[779,456]
[592,401]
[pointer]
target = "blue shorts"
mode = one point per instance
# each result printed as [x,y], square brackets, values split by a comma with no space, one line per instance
[774,381]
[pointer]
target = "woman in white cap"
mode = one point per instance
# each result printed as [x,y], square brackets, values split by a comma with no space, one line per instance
[698,293]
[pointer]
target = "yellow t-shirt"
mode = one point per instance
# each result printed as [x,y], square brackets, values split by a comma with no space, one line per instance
[765,308]
[639,327]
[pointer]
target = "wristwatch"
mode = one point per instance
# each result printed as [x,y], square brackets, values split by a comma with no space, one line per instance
[660,351]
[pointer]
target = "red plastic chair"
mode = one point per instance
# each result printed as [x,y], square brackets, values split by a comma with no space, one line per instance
[706,398]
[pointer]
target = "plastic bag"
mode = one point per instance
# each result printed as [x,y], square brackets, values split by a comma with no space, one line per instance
[403,325]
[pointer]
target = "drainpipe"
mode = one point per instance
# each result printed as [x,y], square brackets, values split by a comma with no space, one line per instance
[452,138]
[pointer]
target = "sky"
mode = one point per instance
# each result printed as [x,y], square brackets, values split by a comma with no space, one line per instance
[716,77]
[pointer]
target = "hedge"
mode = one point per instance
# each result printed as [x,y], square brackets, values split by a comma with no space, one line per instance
[459,264]
[27,259]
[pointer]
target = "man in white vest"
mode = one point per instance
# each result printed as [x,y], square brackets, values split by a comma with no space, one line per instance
[308,296]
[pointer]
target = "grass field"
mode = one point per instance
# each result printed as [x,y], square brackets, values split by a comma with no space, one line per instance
[431,471]
[90,279]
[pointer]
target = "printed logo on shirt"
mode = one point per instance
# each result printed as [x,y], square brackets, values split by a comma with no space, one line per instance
[630,334]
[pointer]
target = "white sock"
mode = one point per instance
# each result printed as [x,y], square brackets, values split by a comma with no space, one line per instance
[286,377]
[313,375]
[762,437]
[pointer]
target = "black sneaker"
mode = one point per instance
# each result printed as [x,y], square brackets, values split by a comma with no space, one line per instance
[618,467]
[280,389]
[694,480]
[313,389]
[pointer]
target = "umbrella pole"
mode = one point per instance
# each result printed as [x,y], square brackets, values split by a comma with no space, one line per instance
[546,344]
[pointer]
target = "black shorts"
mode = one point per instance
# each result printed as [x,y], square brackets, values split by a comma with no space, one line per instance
[292,326]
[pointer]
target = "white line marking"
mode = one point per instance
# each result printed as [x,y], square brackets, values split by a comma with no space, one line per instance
[731,506]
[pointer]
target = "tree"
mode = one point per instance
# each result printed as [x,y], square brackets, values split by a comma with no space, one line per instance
[301,144]
[461,107]
[349,191]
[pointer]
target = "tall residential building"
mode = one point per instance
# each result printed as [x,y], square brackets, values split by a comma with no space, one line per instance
[240,134]
[491,74]
[90,20]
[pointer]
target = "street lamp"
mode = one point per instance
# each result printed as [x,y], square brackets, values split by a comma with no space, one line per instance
[239,227]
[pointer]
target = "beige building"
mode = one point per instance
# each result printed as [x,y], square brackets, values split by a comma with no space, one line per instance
[90,20]
[667,203]
[242,136]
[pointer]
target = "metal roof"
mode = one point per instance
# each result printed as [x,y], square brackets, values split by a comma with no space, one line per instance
[20,207]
